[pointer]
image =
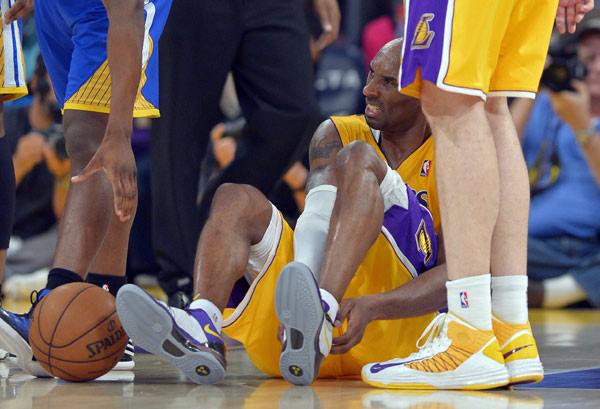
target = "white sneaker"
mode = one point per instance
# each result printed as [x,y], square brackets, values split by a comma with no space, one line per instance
[308,329]
[456,355]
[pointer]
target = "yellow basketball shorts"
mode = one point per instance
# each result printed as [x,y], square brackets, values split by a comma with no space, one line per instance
[495,48]
[254,323]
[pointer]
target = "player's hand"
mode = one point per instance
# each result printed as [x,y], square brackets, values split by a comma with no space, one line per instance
[115,158]
[573,107]
[570,13]
[357,314]
[21,8]
[329,15]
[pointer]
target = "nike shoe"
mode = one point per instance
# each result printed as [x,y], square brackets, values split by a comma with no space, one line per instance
[308,329]
[455,355]
[14,337]
[126,363]
[519,350]
[187,339]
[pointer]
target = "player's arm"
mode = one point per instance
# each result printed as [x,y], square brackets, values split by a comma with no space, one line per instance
[324,146]
[423,295]
[114,156]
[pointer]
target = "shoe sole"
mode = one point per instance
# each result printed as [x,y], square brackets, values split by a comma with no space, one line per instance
[522,371]
[11,341]
[150,326]
[124,366]
[298,307]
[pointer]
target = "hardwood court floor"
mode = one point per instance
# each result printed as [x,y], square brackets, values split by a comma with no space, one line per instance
[569,343]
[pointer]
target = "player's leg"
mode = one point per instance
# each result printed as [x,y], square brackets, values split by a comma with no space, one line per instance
[278,126]
[7,202]
[509,251]
[191,339]
[7,194]
[517,74]
[306,311]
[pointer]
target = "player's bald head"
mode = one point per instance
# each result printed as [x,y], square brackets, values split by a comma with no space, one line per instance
[391,53]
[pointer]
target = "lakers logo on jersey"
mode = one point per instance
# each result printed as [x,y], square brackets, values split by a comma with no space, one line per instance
[423,35]
[424,242]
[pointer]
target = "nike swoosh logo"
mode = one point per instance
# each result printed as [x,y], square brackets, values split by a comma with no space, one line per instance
[211,332]
[509,353]
[380,367]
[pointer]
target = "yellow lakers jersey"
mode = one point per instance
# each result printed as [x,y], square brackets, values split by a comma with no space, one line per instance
[418,170]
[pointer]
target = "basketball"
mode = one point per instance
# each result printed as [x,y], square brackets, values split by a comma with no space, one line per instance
[75,332]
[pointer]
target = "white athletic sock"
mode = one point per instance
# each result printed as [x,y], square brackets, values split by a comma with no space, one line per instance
[562,291]
[470,299]
[211,310]
[509,298]
[312,227]
[331,302]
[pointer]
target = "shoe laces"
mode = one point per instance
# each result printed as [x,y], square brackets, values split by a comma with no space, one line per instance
[435,335]
[35,297]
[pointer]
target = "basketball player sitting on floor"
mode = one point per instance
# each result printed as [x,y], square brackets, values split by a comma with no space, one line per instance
[365,235]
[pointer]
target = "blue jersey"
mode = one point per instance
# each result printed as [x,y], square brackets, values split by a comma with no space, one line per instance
[73,38]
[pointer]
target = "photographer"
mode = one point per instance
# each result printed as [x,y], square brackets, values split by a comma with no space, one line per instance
[42,177]
[561,144]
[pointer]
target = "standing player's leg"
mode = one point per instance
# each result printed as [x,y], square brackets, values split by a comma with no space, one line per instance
[7,201]
[509,252]
[191,339]
[12,86]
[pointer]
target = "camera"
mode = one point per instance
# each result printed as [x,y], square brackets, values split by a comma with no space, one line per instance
[56,140]
[564,67]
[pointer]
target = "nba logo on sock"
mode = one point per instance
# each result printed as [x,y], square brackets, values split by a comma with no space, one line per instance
[105,287]
[464,300]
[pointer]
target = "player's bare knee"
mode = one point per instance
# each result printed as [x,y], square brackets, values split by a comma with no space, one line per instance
[80,150]
[357,156]
[240,203]
[497,106]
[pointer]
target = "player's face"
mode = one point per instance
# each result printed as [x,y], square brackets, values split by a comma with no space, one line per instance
[589,54]
[387,109]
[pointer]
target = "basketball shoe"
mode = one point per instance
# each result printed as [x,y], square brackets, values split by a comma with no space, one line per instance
[455,355]
[519,350]
[308,328]
[187,339]
[14,337]
[126,363]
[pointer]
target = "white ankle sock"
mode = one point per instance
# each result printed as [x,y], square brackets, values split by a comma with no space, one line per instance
[470,299]
[509,298]
[215,315]
[331,302]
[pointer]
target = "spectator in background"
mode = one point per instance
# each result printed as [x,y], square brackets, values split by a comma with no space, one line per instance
[562,149]
[42,176]
[265,44]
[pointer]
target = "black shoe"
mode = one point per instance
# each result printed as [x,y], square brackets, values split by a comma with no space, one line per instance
[126,363]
